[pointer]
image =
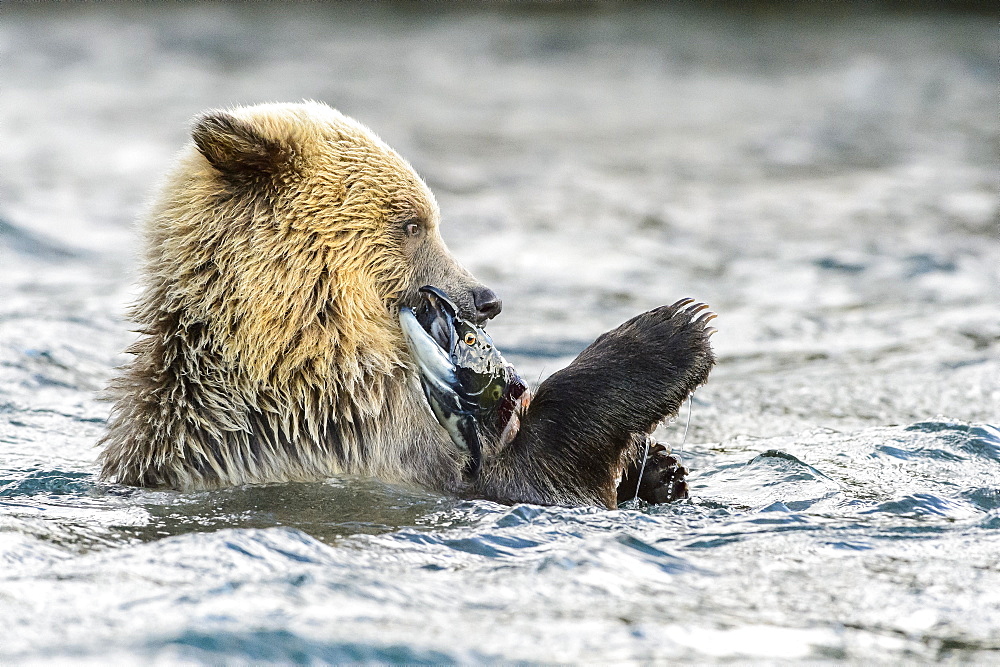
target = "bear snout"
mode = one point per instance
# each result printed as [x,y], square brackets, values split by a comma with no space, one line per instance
[488,303]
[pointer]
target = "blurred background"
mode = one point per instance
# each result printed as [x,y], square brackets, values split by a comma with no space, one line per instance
[825,175]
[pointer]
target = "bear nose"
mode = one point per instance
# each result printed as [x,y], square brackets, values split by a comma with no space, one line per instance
[488,304]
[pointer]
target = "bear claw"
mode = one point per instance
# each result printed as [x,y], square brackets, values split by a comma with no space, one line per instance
[663,477]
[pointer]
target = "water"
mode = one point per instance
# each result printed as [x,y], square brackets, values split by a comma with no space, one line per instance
[827,182]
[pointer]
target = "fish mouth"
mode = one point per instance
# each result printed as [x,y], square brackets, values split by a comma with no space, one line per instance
[429,330]
[436,314]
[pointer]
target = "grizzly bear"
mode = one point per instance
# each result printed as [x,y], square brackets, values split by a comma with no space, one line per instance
[278,254]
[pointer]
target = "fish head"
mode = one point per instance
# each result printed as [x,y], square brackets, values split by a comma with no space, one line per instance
[470,388]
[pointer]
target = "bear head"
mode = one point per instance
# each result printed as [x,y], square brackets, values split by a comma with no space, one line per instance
[295,234]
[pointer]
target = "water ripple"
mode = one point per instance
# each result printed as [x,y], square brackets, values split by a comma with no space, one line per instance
[841,218]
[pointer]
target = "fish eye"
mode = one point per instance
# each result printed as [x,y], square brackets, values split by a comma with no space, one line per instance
[470,338]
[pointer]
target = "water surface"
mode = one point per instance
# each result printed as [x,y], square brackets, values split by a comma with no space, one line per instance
[827,182]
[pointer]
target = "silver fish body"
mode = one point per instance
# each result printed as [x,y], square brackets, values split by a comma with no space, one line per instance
[474,393]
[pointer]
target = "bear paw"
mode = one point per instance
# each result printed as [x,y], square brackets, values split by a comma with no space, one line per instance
[663,480]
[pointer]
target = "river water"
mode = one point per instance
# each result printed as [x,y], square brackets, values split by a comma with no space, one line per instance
[826,181]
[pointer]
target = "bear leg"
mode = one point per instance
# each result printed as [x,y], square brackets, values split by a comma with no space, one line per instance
[590,418]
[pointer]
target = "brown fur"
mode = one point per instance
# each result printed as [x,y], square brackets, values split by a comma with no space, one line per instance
[276,257]
[587,422]
[278,254]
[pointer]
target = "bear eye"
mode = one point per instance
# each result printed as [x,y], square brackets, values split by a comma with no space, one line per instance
[412,228]
[470,338]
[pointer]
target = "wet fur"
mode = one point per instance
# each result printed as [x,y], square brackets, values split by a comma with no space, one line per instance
[588,422]
[270,348]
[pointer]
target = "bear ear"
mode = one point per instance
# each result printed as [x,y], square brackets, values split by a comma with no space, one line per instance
[234,146]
